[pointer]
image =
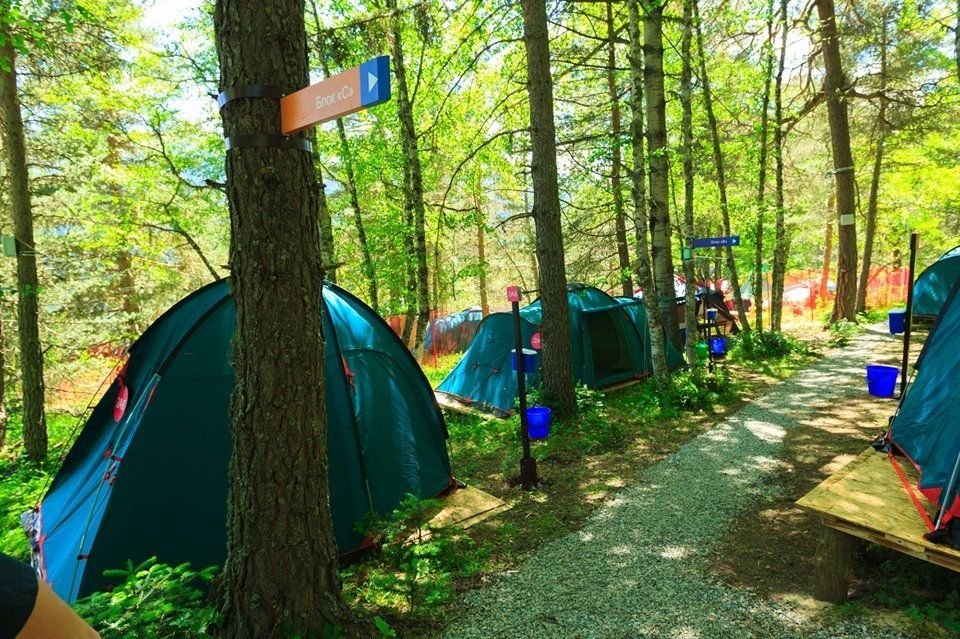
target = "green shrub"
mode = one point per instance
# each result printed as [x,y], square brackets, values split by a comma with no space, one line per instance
[152,601]
[842,331]
[757,345]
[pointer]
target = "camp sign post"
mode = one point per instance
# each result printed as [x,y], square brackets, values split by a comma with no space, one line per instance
[358,88]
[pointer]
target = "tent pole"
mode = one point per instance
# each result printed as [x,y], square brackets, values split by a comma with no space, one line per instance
[908,318]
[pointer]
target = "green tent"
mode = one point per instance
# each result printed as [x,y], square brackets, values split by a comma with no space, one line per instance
[610,343]
[148,473]
[933,286]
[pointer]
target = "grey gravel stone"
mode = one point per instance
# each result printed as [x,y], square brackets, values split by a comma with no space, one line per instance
[638,568]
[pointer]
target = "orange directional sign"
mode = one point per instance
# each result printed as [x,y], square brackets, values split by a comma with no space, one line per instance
[345,93]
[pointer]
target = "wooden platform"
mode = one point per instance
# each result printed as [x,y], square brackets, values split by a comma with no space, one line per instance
[867,500]
[445,401]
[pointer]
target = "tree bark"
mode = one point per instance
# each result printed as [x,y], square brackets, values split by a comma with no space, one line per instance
[659,173]
[28,326]
[616,162]
[758,274]
[414,191]
[834,86]
[643,271]
[275,584]
[827,249]
[721,172]
[686,93]
[780,250]
[557,365]
[482,246]
[871,221]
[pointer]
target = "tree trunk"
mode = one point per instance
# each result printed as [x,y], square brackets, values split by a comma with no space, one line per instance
[659,167]
[127,291]
[28,326]
[758,272]
[780,250]
[721,173]
[557,365]
[482,246]
[871,221]
[686,93]
[956,42]
[616,162]
[827,249]
[275,585]
[414,190]
[644,272]
[327,250]
[834,85]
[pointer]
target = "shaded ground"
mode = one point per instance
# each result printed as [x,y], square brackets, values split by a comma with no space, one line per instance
[771,548]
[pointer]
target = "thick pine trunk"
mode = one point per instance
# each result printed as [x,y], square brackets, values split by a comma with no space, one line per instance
[721,172]
[28,324]
[686,92]
[414,191]
[616,162]
[780,249]
[275,584]
[834,85]
[644,272]
[658,161]
[557,365]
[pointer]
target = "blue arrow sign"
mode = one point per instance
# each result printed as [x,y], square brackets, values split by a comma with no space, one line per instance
[711,242]
[375,81]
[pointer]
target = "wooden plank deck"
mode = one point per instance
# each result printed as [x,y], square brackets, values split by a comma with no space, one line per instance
[866,499]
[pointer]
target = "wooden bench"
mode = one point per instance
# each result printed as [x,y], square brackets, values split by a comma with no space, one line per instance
[866,501]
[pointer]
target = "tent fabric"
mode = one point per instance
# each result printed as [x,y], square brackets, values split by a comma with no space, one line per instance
[151,478]
[607,343]
[926,428]
[934,284]
[453,333]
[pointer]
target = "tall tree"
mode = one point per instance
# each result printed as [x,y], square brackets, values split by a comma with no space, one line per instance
[557,365]
[758,270]
[658,162]
[278,467]
[721,170]
[616,160]
[413,184]
[780,247]
[28,286]
[870,226]
[834,87]
[643,271]
[686,99]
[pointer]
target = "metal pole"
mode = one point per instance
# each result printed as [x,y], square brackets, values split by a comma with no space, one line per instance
[908,316]
[945,495]
[528,465]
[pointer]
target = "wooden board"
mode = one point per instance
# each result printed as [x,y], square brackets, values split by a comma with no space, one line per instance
[445,401]
[464,507]
[866,499]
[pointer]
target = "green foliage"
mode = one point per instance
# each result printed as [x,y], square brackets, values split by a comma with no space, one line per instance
[872,316]
[152,601]
[842,331]
[23,482]
[415,570]
[756,345]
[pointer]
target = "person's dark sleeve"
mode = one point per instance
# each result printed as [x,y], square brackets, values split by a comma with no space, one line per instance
[18,594]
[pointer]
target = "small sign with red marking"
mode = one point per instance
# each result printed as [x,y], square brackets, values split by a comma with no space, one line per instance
[535,341]
[513,293]
[120,406]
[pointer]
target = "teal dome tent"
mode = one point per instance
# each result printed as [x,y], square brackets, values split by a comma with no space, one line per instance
[933,286]
[147,475]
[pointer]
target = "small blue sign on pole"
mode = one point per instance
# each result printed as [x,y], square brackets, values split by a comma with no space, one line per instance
[713,242]
[375,81]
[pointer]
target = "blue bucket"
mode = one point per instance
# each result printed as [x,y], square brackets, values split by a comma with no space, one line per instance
[538,422]
[882,380]
[711,315]
[897,317]
[529,360]
[718,346]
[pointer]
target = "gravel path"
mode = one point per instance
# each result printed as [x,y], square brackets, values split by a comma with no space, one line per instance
[638,567]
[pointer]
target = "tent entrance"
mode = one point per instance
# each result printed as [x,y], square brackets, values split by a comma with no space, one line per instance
[609,346]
